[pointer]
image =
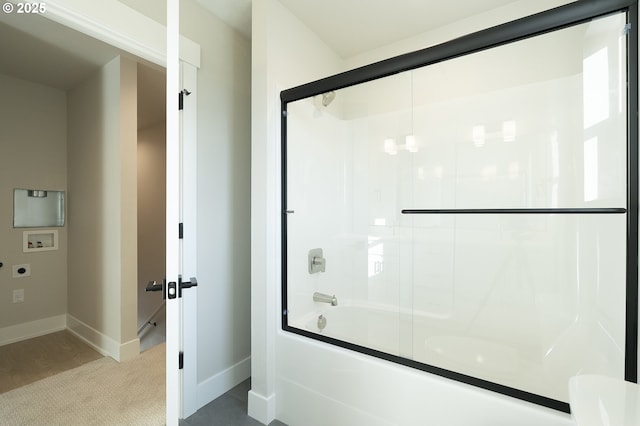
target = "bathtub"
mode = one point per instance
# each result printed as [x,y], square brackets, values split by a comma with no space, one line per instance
[375,328]
[440,341]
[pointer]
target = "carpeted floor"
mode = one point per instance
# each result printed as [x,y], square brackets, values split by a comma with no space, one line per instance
[28,361]
[102,392]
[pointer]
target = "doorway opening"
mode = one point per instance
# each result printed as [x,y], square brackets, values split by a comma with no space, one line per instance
[66,81]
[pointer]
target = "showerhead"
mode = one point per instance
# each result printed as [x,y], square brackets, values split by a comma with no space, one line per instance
[328,97]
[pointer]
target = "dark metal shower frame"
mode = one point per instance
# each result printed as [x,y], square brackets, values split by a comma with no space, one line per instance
[554,19]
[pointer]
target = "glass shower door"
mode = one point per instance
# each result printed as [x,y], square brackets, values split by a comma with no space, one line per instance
[470,217]
[343,199]
[519,206]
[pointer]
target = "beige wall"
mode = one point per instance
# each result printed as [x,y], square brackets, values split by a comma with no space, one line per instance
[151,216]
[102,210]
[33,134]
[129,200]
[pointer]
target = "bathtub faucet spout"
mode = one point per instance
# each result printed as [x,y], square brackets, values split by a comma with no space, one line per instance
[325,298]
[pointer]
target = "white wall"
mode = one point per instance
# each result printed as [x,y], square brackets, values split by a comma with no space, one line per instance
[102,209]
[223,146]
[277,38]
[33,132]
[223,167]
[305,382]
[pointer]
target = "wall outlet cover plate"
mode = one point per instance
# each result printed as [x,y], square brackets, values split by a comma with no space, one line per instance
[20,271]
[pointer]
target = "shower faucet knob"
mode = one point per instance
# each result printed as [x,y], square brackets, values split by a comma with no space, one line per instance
[317,262]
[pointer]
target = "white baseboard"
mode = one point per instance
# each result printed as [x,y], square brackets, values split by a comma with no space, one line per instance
[129,350]
[101,342]
[98,341]
[260,408]
[224,381]
[28,330]
[92,337]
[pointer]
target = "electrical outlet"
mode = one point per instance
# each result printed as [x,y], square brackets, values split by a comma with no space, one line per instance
[20,271]
[18,295]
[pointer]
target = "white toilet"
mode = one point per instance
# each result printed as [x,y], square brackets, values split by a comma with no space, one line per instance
[604,401]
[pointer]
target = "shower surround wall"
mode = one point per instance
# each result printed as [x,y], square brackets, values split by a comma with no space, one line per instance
[331,231]
[505,298]
[301,381]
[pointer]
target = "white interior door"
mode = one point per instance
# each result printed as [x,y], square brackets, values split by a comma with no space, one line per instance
[189,319]
[181,307]
[181,254]
[181,364]
[173,305]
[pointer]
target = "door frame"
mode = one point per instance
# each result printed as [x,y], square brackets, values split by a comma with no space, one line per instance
[118,25]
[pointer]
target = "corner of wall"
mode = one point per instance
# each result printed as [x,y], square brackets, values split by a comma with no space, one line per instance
[220,383]
[102,175]
[284,53]
[128,226]
[101,342]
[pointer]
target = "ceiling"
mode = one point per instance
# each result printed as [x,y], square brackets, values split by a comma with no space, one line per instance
[351,27]
[37,49]
[236,13]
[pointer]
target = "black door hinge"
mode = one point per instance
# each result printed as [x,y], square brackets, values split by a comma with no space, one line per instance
[181,95]
[180,360]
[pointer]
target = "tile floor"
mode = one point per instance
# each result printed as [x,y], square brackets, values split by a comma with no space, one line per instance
[228,410]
